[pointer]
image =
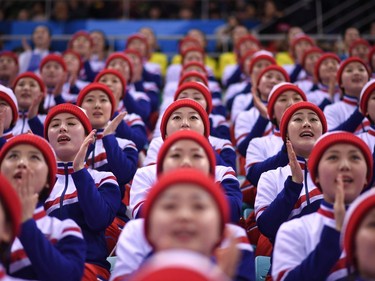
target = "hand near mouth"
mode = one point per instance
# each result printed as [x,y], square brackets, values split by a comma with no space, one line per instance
[79,160]
[297,175]
[112,126]
[339,205]
[27,195]
[3,112]
[34,106]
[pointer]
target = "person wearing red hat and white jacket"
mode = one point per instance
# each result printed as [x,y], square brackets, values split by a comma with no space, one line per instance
[46,248]
[300,44]
[309,59]
[308,248]
[344,115]
[132,127]
[133,100]
[253,123]
[208,228]
[252,64]
[146,176]
[10,222]
[269,152]
[357,237]
[8,68]
[326,90]
[288,191]
[151,71]
[8,114]
[28,89]
[193,85]
[367,108]
[224,150]
[89,197]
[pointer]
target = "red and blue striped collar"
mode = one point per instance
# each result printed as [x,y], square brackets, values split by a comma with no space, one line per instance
[276,131]
[350,100]
[326,210]
[371,130]
[39,213]
[61,166]
[8,134]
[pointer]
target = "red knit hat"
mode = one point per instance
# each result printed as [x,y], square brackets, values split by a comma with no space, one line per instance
[332,138]
[185,176]
[42,145]
[80,33]
[137,36]
[245,38]
[113,72]
[309,52]
[353,219]
[366,92]
[188,39]
[293,109]
[321,60]
[200,87]
[193,73]
[186,135]
[52,57]
[261,55]
[300,38]
[345,64]
[192,49]
[33,76]
[195,63]
[7,95]
[278,90]
[358,42]
[11,205]
[100,87]
[177,264]
[122,56]
[67,108]
[274,68]
[184,103]
[10,54]
[77,56]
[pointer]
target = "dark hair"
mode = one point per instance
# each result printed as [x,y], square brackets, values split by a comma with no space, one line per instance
[106,44]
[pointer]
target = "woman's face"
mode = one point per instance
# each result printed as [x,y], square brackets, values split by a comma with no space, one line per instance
[304,128]
[328,68]
[267,81]
[138,45]
[310,61]
[66,135]
[258,67]
[349,162]
[82,45]
[185,217]
[52,73]
[186,154]
[98,41]
[354,77]
[300,48]
[365,246]
[24,165]
[194,95]
[361,51]
[8,114]
[121,66]
[26,90]
[284,101]
[371,107]
[195,56]
[72,63]
[98,108]
[185,118]
[114,84]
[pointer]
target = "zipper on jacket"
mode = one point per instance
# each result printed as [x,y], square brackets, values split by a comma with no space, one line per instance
[66,172]
[306,185]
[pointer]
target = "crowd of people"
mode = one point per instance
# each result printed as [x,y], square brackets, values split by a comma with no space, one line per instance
[188,170]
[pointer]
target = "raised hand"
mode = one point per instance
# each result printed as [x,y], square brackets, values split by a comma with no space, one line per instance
[297,175]
[25,44]
[332,86]
[228,258]
[59,87]
[27,195]
[79,160]
[112,126]
[339,205]
[34,106]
